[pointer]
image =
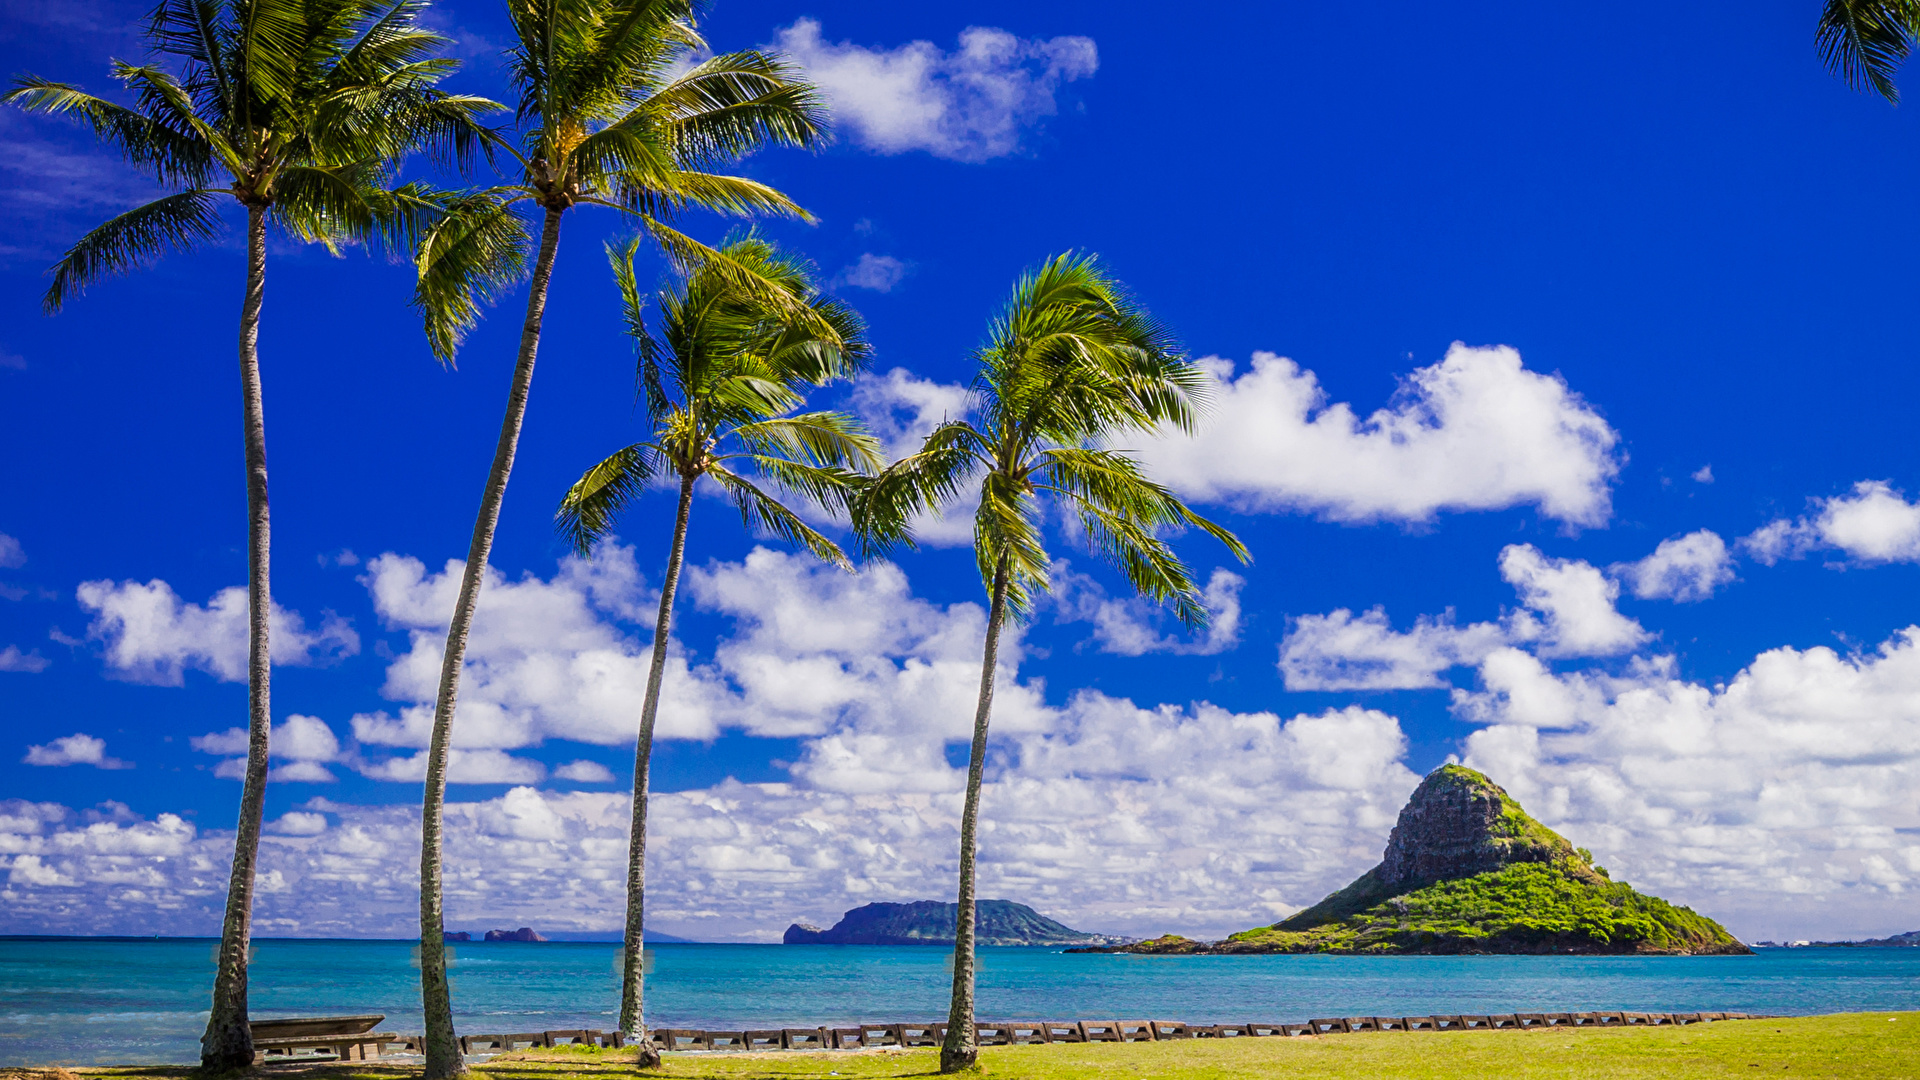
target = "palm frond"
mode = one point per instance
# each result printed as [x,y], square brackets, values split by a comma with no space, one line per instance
[172,154]
[818,438]
[588,510]
[1865,41]
[133,239]
[476,250]
[757,508]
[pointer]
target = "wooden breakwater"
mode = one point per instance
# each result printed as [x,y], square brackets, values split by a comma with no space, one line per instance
[1030,1032]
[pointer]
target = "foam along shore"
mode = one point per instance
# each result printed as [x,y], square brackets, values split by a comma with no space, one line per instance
[1843,1046]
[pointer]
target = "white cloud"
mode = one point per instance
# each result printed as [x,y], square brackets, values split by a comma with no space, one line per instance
[299,823]
[558,658]
[877,272]
[1577,599]
[968,105]
[12,361]
[463,767]
[1781,800]
[12,554]
[304,743]
[1873,524]
[1342,651]
[152,636]
[75,749]
[1339,651]
[1477,431]
[584,772]
[902,411]
[1130,625]
[1703,475]
[1685,568]
[32,663]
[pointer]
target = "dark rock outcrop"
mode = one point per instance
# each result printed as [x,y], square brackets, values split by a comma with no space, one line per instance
[455,935]
[930,922]
[525,933]
[1466,870]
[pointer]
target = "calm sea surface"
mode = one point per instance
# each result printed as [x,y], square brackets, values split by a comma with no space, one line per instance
[95,1001]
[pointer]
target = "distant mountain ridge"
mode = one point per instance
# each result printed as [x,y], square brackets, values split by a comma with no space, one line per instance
[930,922]
[1466,870]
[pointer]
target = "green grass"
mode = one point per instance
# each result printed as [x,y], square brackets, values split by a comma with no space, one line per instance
[1882,1046]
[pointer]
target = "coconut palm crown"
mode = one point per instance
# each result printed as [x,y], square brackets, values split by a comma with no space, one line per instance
[614,112]
[1070,365]
[299,111]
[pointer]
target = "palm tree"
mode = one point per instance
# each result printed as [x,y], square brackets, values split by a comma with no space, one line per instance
[1865,41]
[298,110]
[614,114]
[1070,364]
[721,379]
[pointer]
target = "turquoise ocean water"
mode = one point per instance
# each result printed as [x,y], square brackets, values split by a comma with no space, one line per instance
[103,1001]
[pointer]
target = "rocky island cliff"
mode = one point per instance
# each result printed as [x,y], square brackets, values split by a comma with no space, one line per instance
[930,922]
[1466,870]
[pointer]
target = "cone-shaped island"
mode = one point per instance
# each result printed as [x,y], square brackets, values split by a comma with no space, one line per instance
[1466,870]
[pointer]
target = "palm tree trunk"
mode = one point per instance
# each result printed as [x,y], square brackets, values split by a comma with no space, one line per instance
[442,1047]
[633,1024]
[228,1042]
[960,1050]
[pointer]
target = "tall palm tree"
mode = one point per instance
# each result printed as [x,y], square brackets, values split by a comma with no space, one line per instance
[1070,364]
[614,113]
[299,111]
[721,379]
[1865,41]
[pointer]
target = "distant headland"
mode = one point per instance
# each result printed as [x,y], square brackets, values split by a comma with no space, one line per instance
[930,922]
[1466,870]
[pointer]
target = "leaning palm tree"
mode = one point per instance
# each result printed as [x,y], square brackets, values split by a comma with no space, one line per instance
[1865,41]
[721,379]
[614,114]
[1069,365]
[298,110]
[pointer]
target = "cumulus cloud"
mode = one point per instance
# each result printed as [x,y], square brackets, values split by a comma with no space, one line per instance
[304,745]
[1577,600]
[1703,475]
[971,104]
[298,823]
[1131,626]
[12,554]
[1782,799]
[584,772]
[555,658]
[1685,568]
[877,272]
[1873,523]
[1342,651]
[153,636]
[12,361]
[1477,431]
[75,749]
[32,663]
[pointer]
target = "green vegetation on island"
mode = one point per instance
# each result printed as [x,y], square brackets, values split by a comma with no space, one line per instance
[1467,870]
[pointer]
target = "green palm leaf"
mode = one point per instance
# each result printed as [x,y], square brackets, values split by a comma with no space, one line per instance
[134,239]
[1865,41]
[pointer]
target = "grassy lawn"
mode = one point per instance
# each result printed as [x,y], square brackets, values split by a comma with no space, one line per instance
[1884,1046]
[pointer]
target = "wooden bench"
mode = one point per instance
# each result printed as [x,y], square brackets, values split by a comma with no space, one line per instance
[347,1038]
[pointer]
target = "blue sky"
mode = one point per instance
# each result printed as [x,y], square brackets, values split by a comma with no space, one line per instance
[1677,254]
